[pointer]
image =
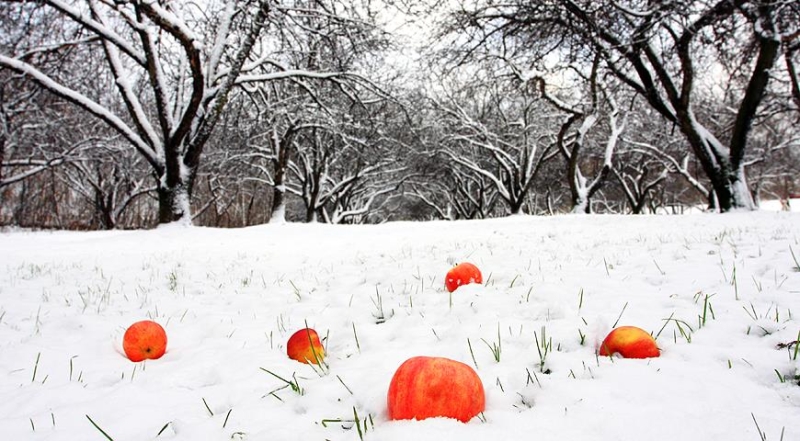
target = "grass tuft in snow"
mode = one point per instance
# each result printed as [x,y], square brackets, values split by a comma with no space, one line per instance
[659,268]
[754,315]
[793,353]
[796,347]
[757,283]
[296,291]
[761,433]
[362,426]
[205,403]
[495,348]
[543,347]
[620,315]
[361,433]
[163,429]
[531,378]
[36,367]
[355,334]
[707,308]
[294,385]
[345,386]
[172,281]
[684,328]
[472,353]
[781,377]
[98,428]
[379,314]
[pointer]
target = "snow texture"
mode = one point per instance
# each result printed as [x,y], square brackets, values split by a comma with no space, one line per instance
[229,300]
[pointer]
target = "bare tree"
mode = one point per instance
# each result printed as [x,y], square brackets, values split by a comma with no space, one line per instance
[656,50]
[572,145]
[362,201]
[456,193]
[498,137]
[171,101]
[23,149]
[638,181]
[790,56]
[338,172]
[110,178]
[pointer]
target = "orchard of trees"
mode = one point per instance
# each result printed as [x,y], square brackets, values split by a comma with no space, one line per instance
[135,113]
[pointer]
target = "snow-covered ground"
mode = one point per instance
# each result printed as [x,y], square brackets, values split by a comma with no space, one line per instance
[229,299]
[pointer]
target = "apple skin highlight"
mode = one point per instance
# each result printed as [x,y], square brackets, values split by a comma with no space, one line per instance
[304,346]
[630,342]
[462,274]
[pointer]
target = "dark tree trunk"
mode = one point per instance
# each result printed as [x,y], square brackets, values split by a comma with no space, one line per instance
[2,154]
[516,206]
[278,194]
[173,204]
[103,210]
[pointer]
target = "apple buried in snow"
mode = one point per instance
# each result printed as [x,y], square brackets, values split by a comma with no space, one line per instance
[305,347]
[630,342]
[144,340]
[427,387]
[462,274]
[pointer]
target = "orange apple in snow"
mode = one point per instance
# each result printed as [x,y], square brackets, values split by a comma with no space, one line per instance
[630,342]
[305,347]
[462,274]
[144,340]
[426,387]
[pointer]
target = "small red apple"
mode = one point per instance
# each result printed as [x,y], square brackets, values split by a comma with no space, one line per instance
[305,347]
[462,274]
[144,340]
[630,342]
[426,387]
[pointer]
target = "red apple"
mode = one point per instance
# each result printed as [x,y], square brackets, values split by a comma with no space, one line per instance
[462,274]
[144,340]
[630,342]
[426,387]
[305,347]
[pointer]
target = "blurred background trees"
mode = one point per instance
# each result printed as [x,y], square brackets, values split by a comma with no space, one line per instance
[130,114]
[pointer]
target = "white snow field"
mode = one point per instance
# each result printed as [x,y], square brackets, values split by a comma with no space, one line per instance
[720,292]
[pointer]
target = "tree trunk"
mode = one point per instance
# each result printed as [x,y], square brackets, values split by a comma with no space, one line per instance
[173,204]
[104,210]
[581,204]
[729,187]
[278,210]
[516,206]
[2,153]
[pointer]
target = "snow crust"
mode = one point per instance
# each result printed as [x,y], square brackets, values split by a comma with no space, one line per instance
[229,300]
